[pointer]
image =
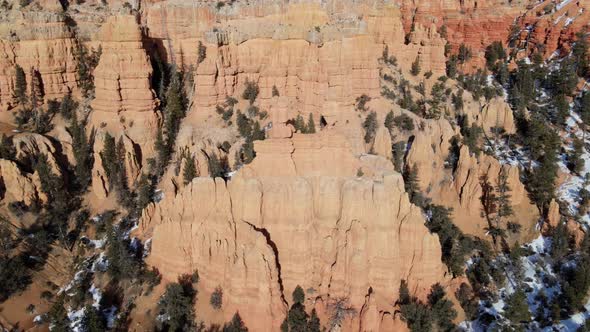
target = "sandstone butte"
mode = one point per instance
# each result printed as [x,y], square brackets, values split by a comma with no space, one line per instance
[299,214]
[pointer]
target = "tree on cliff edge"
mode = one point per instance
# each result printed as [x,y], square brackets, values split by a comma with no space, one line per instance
[20,85]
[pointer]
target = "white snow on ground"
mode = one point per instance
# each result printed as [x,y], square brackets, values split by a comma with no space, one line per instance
[562,4]
[147,247]
[75,317]
[96,296]
[38,319]
[111,316]
[573,323]
[100,264]
[158,195]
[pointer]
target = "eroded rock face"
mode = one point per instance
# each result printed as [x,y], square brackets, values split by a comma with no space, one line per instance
[297,215]
[17,186]
[124,101]
[41,41]
[461,188]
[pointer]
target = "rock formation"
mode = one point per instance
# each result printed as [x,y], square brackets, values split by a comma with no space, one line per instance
[124,101]
[297,215]
[41,41]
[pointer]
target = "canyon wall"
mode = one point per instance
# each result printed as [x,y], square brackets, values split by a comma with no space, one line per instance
[298,215]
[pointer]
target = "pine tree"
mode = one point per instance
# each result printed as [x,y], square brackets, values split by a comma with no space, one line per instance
[389,122]
[404,293]
[412,185]
[174,111]
[177,304]
[580,53]
[399,150]
[314,322]
[162,151]
[297,318]
[145,191]
[504,206]
[190,170]
[416,66]
[370,126]
[215,166]
[110,160]
[36,94]
[517,308]
[68,106]
[236,324]
[82,153]
[93,321]
[58,316]
[244,125]
[300,124]
[310,125]
[575,161]
[251,91]
[202,52]
[20,86]
[7,150]
[464,53]
[442,309]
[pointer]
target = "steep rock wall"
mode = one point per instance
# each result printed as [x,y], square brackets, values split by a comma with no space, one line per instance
[296,222]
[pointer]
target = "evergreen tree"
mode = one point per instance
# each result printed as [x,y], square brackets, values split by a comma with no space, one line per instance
[560,241]
[580,53]
[464,53]
[87,61]
[93,321]
[7,150]
[504,206]
[36,90]
[416,66]
[299,124]
[412,185]
[58,316]
[202,52]
[244,125]
[399,150]
[404,293]
[297,318]
[190,170]
[415,313]
[516,308]
[174,111]
[215,167]
[494,53]
[584,109]
[575,162]
[20,86]
[251,91]
[310,124]
[68,106]
[177,305]
[110,159]
[82,150]
[121,263]
[370,126]
[389,122]
[145,191]
[442,309]
[314,322]
[161,150]
[235,325]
